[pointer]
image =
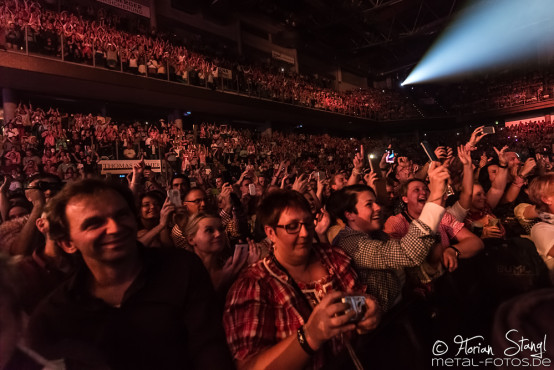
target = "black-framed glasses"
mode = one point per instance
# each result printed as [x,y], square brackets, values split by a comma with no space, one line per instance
[196,201]
[294,227]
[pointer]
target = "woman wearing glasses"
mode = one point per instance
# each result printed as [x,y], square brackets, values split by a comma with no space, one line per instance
[285,311]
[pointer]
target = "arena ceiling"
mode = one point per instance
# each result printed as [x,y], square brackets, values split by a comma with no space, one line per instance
[372,37]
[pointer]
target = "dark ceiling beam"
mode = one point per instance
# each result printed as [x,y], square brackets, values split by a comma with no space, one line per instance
[348,19]
[418,14]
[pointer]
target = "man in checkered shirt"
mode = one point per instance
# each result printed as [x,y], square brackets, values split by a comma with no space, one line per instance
[379,263]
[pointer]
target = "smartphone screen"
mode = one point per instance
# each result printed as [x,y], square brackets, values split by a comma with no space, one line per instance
[488,130]
[430,153]
[239,250]
[390,156]
[252,189]
[174,196]
[370,162]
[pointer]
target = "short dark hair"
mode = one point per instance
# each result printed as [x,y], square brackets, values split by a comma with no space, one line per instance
[404,187]
[348,198]
[276,202]
[59,225]
[154,194]
[185,178]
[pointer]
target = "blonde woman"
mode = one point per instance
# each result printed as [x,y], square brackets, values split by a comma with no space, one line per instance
[206,236]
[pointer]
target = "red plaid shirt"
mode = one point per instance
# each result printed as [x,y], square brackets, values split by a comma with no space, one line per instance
[263,308]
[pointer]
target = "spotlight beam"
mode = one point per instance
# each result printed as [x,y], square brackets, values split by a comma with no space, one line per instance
[487,34]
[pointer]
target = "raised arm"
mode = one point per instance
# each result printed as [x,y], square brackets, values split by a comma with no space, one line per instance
[4,201]
[358,166]
[148,236]
[27,239]
[467,180]
[496,191]
[519,180]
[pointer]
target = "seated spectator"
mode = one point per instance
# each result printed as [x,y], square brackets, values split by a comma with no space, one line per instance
[301,325]
[166,310]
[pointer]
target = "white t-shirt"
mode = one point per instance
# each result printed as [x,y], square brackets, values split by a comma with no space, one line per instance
[542,234]
[458,211]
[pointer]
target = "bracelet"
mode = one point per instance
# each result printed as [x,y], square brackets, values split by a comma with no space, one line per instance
[501,166]
[518,181]
[301,336]
[458,253]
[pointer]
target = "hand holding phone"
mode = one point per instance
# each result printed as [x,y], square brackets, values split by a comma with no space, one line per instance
[429,151]
[252,189]
[390,156]
[370,162]
[356,304]
[488,130]
[174,197]
[240,252]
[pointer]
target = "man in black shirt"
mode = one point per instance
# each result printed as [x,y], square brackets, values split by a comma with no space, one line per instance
[127,307]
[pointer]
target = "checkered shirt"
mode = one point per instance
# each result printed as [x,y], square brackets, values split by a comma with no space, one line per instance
[263,308]
[380,263]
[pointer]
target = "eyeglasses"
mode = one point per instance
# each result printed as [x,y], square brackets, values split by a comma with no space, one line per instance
[196,201]
[294,227]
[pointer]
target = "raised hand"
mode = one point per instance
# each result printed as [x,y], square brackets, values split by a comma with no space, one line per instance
[138,169]
[440,152]
[484,160]
[464,155]
[167,209]
[476,136]
[323,222]
[228,272]
[6,184]
[438,177]
[300,184]
[528,166]
[370,179]
[254,252]
[501,154]
[359,160]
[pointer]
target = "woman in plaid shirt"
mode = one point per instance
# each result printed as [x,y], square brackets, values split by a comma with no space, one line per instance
[285,311]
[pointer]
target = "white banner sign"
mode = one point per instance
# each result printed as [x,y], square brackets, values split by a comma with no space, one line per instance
[129,6]
[126,166]
[283,57]
[225,73]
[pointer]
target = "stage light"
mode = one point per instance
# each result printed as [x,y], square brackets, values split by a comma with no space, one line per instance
[487,34]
